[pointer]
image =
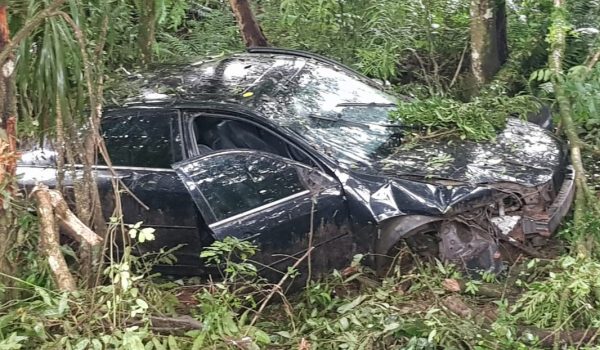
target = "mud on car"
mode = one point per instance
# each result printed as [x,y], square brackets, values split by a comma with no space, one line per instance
[264,145]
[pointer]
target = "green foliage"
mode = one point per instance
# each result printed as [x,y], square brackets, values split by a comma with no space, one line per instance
[396,40]
[42,318]
[540,305]
[211,31]
[231,256]
[225,306]
[478,120]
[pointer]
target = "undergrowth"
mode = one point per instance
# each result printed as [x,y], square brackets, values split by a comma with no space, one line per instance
[415,308]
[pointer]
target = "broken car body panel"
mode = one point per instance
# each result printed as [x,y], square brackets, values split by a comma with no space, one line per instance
[264,142]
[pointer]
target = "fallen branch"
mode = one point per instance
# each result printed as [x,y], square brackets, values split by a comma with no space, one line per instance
[593,59]
[170,325]
[49,243]
[69,222]
[52,207]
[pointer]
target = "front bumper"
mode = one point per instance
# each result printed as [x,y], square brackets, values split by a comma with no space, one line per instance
[474,247]
[546,223]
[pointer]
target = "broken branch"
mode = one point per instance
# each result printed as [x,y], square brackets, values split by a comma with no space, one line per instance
[71,224]
[49,243]
[170,325]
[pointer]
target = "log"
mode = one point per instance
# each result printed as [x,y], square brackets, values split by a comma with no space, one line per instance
[174,324]
[70,223]
[49,243]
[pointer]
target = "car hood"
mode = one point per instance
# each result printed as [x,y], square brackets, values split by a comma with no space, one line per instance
[523,153]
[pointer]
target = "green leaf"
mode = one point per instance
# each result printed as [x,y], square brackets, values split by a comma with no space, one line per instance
[284,334]
[391,327]
[63,304]
[172,343]
[82,344]
[349,306]
[141,303]
[261,337]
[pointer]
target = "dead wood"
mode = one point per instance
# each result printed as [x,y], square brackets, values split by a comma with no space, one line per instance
[174,324]
[171,325]
[70,223]
[49,244]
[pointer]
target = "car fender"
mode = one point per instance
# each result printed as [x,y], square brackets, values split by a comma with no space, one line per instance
[393,230]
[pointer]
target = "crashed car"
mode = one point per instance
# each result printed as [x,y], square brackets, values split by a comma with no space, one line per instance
[288,149]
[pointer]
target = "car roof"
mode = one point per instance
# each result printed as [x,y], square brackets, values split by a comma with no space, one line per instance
[247,78]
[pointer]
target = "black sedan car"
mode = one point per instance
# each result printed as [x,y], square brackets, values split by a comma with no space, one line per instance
[270,145]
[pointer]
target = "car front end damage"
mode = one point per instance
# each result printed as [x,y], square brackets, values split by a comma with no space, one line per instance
[480,229]
[520,219]
[483,203]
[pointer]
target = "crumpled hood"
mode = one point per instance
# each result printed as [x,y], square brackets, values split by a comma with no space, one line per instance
[410,181]
[523,153]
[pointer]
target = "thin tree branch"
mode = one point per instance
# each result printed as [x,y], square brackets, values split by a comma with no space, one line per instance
[591,62]
[278,286]
[458,68]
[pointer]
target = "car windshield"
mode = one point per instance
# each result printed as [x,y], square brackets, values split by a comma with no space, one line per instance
[338,112]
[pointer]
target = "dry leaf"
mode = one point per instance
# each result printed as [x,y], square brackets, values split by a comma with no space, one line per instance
[451,285]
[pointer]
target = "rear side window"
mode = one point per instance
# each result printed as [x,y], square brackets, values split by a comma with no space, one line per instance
[142,138]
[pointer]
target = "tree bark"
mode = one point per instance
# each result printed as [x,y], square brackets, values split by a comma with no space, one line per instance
[147,30]
[49,243]
[8,145]
[489,48]
[249,27]
[70,223]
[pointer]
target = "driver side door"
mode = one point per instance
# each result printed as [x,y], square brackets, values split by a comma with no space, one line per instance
[281,205]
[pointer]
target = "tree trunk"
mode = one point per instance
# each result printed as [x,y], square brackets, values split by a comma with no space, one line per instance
[147,30]
[251,32]
[8,145]
[489,48]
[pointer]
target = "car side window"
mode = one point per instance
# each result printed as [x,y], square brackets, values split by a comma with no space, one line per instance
[214,133]
[142,138]
[236,183]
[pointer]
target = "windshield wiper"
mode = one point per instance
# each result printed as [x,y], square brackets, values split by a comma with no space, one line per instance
[362,104]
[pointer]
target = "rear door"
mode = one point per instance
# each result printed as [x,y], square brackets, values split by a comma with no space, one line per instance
[281,205]
[142,144]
